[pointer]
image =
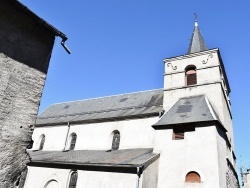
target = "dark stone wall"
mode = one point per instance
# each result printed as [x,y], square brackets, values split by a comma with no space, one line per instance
[25,50]
[24,38]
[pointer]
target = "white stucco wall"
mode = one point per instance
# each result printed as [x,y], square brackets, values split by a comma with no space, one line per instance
[135,133]
[106,180]
[210,82]
[222,151]
[54,137]
[150,175]
[197,152]
[38,177]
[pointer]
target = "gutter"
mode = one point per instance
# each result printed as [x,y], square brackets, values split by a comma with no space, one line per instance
[41,21]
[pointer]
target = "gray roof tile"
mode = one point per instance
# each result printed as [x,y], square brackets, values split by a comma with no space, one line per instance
[188,110]
[131,104]
[197,43]
[94,157]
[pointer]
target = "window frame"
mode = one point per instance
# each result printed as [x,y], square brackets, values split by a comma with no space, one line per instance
[70,184]
[41,142]
[73,139]
[178,133]
[189,179]
[116,140]
[190,75]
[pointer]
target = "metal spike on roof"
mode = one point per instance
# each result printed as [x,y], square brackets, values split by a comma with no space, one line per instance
[197,43]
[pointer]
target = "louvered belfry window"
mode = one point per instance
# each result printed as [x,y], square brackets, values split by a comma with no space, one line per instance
[178,133]
[73,141]
[73,180]
[191,78]
[42,142]
[193,177]
[116,140]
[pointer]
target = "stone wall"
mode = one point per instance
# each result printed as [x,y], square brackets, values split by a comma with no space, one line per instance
[231,177]
[20,92]
[25,50]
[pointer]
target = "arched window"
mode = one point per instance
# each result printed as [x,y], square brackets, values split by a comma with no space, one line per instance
[193,177]
[42,141]
[116,140]
[190,73]
[52,184]
[73,179]
[73,138]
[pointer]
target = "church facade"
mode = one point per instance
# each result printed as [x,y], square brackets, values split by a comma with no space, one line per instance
[178,136]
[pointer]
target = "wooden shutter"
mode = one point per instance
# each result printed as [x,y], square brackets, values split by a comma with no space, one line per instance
[178,134]
[193,177]
[191,79]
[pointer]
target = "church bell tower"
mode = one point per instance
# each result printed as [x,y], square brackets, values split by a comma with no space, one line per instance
[195,134]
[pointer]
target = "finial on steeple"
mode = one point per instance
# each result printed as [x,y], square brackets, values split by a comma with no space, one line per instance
[197,43]
[195,19]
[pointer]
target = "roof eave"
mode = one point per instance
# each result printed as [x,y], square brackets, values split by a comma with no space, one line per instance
[185,56]
[39,20]
[122,168]
[170,126]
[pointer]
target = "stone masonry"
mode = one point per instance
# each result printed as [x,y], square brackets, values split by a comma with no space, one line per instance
[231,177]
[20,93]
[26,43]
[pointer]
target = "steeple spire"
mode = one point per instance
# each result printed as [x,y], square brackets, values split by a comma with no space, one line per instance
[197,43]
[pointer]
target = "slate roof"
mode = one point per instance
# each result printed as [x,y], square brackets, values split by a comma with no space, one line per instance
[189,110]
[197,43]
[117,106]
[37,19]
[129,157]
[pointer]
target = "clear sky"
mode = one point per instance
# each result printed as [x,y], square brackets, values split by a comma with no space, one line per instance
[118,46]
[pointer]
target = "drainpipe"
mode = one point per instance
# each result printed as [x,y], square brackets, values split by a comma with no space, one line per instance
[138,172]
[64,45]
[66,137]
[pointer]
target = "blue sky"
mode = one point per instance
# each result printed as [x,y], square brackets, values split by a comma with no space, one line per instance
[118,46]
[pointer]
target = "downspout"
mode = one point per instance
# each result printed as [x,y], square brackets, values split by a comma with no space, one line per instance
[64,45]
[138,172]
[66,137]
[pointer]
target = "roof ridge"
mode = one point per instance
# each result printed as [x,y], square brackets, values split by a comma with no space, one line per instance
[107,96]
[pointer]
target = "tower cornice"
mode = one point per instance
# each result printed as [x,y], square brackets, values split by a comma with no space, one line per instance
[190,55]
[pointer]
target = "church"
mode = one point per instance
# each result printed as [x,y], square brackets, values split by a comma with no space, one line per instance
[178,136]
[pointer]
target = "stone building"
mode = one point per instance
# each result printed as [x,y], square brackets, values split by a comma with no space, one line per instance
[178,136]
[26,43]
[246,179]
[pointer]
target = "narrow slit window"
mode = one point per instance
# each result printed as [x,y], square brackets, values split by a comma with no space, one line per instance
[42,142]
[73,179]
[73,141]
[116,140]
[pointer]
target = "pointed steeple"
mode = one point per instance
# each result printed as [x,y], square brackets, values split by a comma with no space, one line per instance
[197,43]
